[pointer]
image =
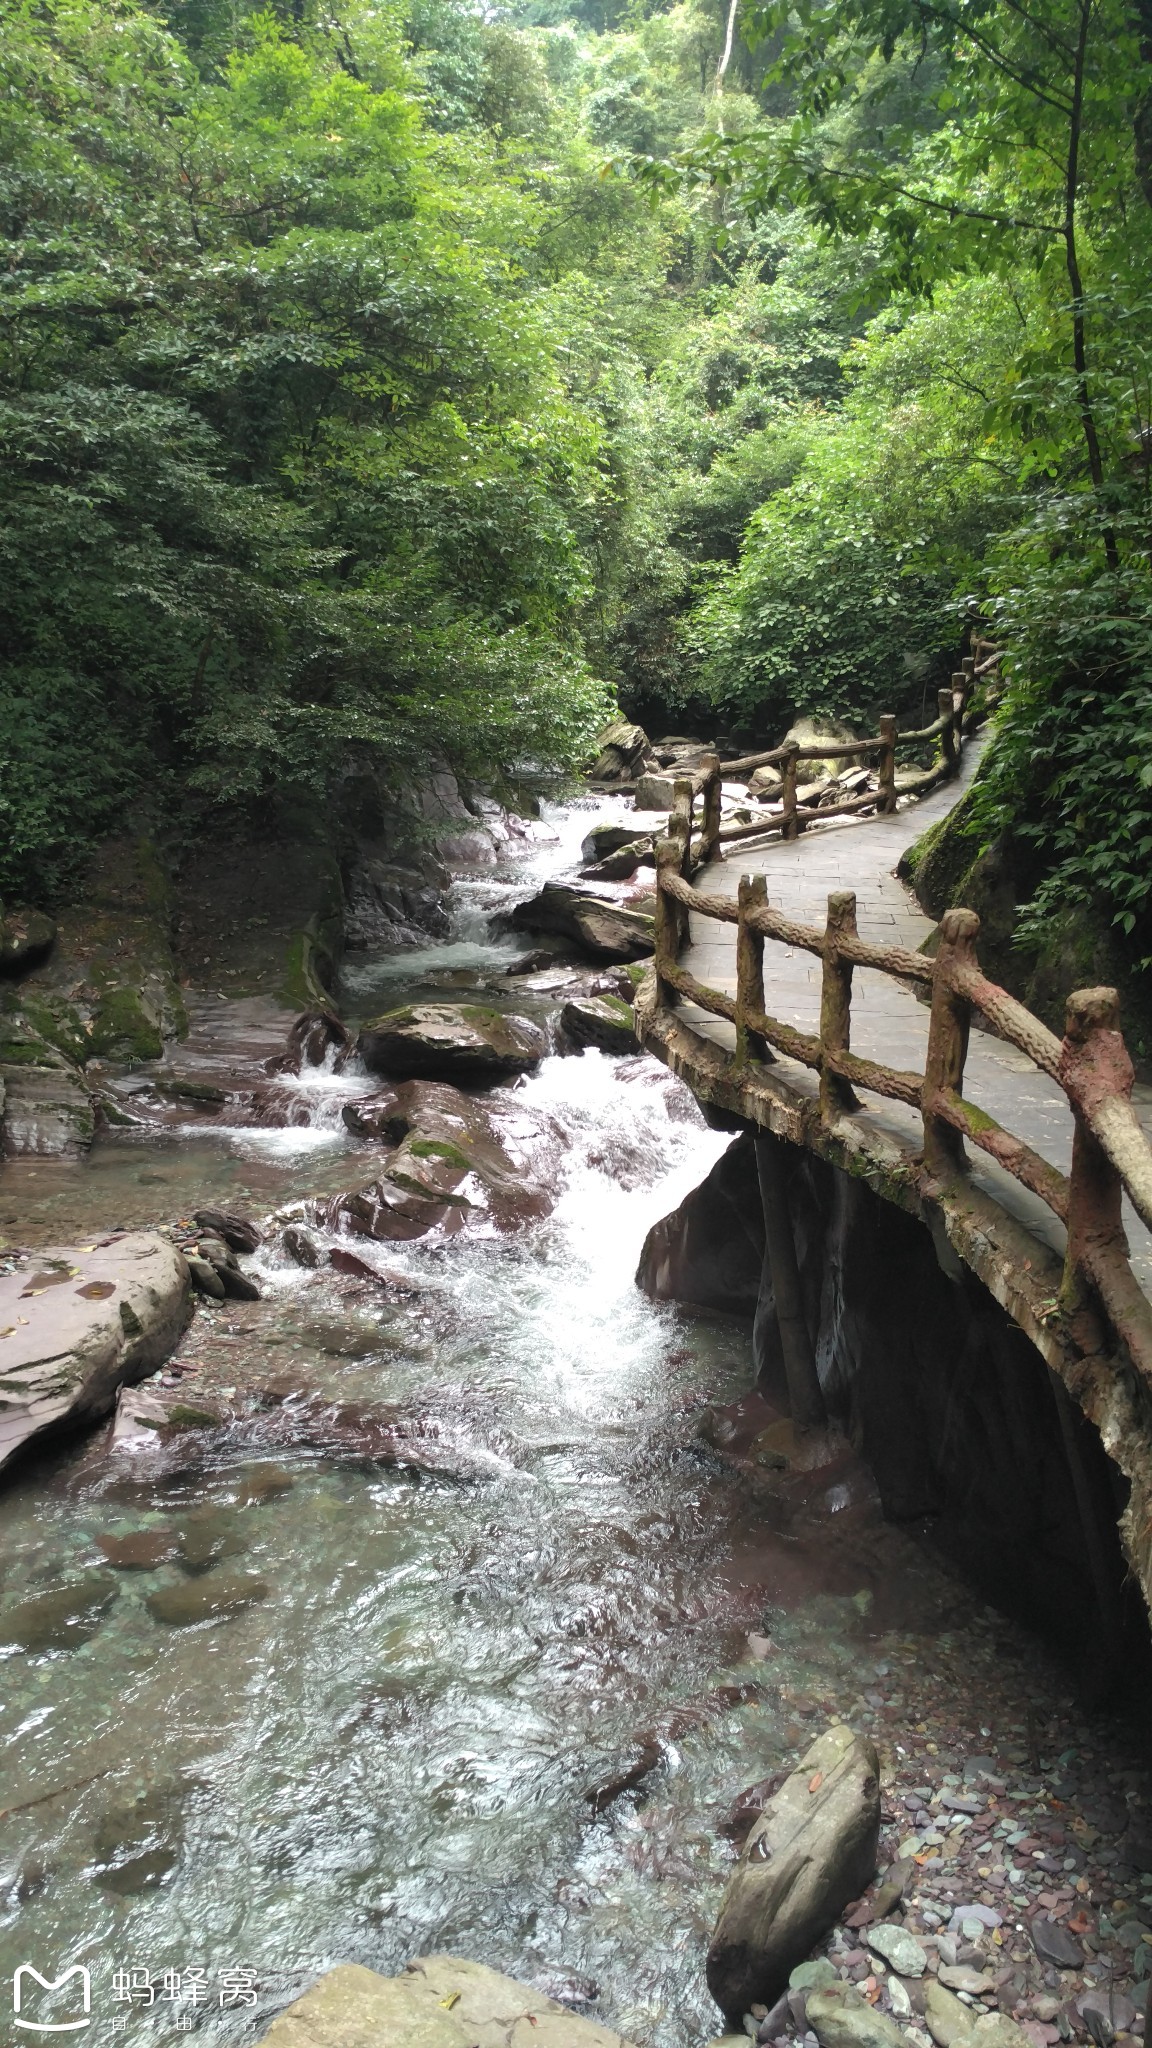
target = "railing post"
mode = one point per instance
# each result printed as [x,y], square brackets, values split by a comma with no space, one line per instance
[948,755]
[711,821]
[788,792]
[751,893]
[836,1094]
[965,680]
[948,1030]
[1094,1066]
[667,921]
[680,822]
[887,770]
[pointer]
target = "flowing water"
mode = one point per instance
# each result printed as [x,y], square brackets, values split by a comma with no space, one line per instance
[391,1752]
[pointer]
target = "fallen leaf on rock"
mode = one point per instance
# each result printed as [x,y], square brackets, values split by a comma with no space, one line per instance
[815,1781]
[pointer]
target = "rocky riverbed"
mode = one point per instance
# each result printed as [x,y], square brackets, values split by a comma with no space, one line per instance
[420,1601]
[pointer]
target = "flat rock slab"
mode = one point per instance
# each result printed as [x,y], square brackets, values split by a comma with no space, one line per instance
[77,1323]
[813,1849]
[437,2002]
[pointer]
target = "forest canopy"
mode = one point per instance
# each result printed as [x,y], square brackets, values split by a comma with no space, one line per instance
[424,379]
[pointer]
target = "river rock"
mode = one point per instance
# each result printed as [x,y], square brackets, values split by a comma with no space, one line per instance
[840,2018]
[237,1232]
[604,840]
[900,1950]
[60,1619]
[955,1976]
[437,2002]
[47,1113]
[453,1165]
[603,1021]
[377,1116]
[300,1246]
[142,1550]
[75,1325]
[813,1849]
[655,793]
[1054,1944]
[446,1041]
[616,867]
[623,751]
[602,928]
[947,2020]
[204,1599]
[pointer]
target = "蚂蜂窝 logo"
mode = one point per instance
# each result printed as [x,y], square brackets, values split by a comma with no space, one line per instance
[28,1970]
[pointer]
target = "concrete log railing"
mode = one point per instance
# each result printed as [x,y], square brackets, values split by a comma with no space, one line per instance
[1110,1153]
[706,784]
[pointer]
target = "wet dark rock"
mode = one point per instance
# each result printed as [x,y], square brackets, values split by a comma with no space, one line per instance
[378,1116]
[141,1551]
[598,926]
[263,1483]
[344,1261]
[205,1599]
[453,1166]
[745,1811]
[312,1037]
[60,1619]
[619,866]
[812,1850]
[1054,1944]
[603,1021]
[25,935]
[239,1286]
[207,1536]
[238,1232]
[646,1758]
[604,840]
[205,1278]
[301,1246]
[138,1842]
[442,1041]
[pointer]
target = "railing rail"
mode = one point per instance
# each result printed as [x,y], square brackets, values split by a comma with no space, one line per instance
[1110,1152]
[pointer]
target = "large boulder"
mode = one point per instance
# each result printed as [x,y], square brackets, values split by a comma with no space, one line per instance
[45,1113]
[605,839]
[812,1850]
[623,752]
[454,1163]
[600,927]
[75,1325]
[603,1021]
[437,2002]
[450,1042]
[655,792]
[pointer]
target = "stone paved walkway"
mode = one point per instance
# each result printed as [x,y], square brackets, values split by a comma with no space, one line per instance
[889,1023]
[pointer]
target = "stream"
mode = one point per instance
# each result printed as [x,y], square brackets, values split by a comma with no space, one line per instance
[391,1753]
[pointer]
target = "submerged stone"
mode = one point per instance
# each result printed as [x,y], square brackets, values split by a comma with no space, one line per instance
[141,1551]
[60,1619]
[202,1599]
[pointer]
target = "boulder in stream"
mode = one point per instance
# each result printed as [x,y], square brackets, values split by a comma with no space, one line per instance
[437,2002]
[451,1041]
[600,927]
[77,1324]
[812,1850]
[604,1021]
[45,1113]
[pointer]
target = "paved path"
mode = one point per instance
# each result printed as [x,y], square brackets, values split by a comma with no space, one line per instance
[888,1021]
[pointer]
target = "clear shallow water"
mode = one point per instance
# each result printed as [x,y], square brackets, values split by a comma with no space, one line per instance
[389,1753]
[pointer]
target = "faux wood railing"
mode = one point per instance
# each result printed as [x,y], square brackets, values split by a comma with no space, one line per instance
[1110,1153]
[791,818]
